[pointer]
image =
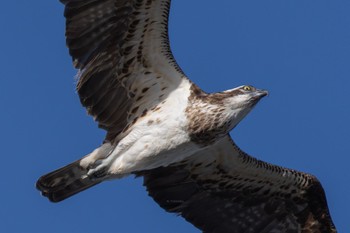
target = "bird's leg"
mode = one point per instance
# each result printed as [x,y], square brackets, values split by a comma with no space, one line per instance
[93,159]
[101,166]
[98,170]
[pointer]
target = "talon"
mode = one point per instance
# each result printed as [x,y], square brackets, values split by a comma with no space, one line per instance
[95,164]
[97,174]
[99,169]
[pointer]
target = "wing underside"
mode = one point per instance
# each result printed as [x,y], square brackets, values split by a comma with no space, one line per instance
[126,68]
[222,189]
[122,51]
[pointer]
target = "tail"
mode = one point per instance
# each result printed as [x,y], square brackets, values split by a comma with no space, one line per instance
[65,182]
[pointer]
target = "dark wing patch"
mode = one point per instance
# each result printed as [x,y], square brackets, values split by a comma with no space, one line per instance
[121,49]
[224,190]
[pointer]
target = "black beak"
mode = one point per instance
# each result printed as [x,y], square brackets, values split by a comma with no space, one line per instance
[260,93]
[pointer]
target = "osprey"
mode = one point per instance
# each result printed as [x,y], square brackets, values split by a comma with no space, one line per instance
[161,126]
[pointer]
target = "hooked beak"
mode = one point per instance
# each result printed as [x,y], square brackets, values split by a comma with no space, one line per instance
[260,93]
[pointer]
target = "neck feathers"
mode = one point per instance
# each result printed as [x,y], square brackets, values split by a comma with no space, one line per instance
[208,116]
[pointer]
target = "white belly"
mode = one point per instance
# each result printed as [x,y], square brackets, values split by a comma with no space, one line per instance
[158,139]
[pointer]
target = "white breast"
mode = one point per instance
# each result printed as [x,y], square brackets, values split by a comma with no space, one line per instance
[159,138]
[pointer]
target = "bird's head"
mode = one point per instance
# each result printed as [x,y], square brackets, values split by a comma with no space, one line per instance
[241,100]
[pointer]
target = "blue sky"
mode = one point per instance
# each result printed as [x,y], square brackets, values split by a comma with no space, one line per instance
[298,50]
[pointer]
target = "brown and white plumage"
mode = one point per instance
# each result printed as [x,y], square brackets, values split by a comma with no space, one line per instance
[122,51]
[222,189]
[163,127]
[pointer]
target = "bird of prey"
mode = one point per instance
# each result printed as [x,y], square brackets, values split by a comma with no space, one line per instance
[164,128]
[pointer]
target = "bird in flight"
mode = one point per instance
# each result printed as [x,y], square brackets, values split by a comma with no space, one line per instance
[164,128]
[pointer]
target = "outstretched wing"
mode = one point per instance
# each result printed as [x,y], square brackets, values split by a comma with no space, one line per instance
[121,49]
[224,190]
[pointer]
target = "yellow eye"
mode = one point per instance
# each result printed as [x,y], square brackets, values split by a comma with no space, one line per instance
[247,88]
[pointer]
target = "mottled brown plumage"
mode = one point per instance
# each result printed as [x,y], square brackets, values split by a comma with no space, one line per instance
[236,193]
[163,127]
[205,113]
[110,50]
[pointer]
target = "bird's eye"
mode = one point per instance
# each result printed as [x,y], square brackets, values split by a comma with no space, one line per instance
[247,88]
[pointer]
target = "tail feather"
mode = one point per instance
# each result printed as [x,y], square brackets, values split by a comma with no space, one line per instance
[65,182]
